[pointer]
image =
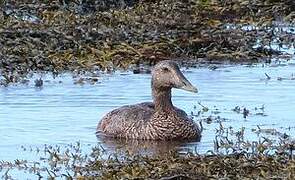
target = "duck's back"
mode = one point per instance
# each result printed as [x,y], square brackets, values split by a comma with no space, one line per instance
[141,121]
[130,118]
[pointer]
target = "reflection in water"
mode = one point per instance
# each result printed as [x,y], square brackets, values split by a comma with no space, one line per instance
[134,146]
[63,113]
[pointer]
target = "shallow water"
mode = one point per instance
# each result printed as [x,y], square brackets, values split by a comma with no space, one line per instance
[61,113]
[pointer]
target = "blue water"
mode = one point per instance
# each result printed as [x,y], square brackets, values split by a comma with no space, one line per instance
[62,113]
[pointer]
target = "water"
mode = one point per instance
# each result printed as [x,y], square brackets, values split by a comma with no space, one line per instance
[64,113]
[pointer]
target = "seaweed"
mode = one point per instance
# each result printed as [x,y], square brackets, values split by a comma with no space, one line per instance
[233,157]
[58,36]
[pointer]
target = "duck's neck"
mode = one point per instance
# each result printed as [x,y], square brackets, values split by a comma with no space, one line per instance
[162,99]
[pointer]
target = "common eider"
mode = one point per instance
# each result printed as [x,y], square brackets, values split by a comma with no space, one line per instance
[157,120]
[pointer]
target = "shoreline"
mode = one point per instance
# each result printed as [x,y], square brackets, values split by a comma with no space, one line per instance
[56,37]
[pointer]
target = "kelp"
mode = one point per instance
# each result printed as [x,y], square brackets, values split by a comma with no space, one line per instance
[233,157]
[57,36]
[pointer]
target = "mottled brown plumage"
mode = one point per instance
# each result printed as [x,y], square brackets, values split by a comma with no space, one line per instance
[159,120]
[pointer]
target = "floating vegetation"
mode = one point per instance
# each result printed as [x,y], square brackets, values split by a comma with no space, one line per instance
[233,156]
[214,116]
[292,77]
[58,36]
[71,35]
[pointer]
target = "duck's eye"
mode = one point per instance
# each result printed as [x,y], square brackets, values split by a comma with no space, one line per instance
[165,69]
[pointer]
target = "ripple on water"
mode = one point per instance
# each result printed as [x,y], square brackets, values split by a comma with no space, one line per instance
[62,113]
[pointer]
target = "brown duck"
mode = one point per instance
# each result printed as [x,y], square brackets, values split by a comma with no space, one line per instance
[157,120]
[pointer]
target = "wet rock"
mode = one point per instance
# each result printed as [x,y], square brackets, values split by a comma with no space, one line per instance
[38,82]
[25,81]
[80,81]
[245,113]
[279,78]
[141,71]
[213,67]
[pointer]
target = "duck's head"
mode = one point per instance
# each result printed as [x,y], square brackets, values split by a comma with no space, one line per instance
[166,75]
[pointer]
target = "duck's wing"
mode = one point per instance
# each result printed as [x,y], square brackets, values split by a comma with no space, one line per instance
[118,122]
[180,112]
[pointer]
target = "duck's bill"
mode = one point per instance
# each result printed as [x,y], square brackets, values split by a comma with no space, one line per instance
[184,84]
[189,88]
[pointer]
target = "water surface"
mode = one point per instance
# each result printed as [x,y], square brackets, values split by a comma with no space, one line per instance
[62,113]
